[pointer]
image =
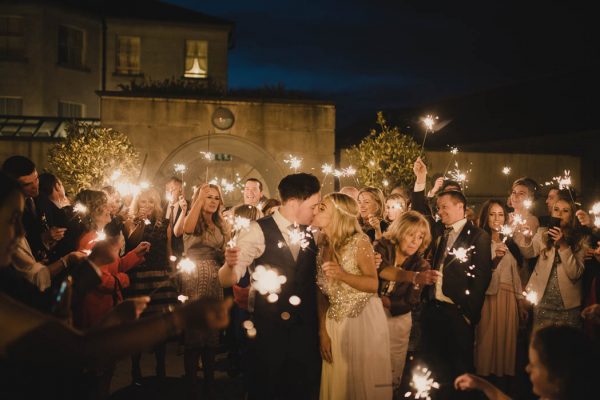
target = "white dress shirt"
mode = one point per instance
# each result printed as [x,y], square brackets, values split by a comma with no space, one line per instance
[251,243]
[456,228]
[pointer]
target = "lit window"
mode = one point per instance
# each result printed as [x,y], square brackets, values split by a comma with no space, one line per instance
[12,38]
[196,59]
[67,109]
[128,55]
[71,47]
[11,106]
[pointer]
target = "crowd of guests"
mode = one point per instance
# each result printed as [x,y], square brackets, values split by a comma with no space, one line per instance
[375,288]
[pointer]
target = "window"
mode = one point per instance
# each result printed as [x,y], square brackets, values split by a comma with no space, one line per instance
[11,106]
[70,110]
[12,38]
[196,59]
[71,47]
[128,55]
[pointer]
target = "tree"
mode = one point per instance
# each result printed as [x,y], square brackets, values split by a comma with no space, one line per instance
[385,158]
[90,155]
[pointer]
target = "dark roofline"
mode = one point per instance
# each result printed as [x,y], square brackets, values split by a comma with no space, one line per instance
[224,98]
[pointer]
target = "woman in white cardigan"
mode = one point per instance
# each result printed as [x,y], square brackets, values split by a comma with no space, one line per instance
[556,279]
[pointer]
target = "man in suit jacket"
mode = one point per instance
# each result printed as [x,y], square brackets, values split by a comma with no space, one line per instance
[462,254]
[284,356]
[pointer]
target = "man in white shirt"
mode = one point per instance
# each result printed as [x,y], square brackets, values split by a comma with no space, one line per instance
[284,356]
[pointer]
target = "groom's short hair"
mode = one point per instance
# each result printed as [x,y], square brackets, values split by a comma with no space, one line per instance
[298,186]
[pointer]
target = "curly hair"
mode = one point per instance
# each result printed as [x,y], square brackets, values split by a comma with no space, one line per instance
[94,201]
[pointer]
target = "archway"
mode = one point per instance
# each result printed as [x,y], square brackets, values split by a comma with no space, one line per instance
[247,157]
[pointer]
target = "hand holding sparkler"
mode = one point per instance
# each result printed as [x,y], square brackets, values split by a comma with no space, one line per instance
[420,170]
[142,249]
[500,250]
[473,382]
[584,218]
[232,256]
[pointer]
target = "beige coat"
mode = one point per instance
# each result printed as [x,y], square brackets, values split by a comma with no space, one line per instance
[569,270]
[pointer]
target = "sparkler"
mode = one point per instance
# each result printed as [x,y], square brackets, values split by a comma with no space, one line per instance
[461,254]
[423,383]
[100,236]
[531,296]
[182,298]
[595,211]
[226,186]
[506,170]
[80,208]
[527,204]
[294,162]
[429,122]
[563,182]
[459,176]
[506,231]
[181,168]
[267,281]
[207,155]
[238,224]
[453,153]
[300,237]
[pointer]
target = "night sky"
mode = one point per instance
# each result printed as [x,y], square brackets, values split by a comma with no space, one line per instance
[371,55]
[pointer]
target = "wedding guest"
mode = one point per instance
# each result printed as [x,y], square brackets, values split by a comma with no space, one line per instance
[401,249]
[352,321]
[395,205]
[253,192]
[563,365]
[152,277]
[284,357]
[39,237]
[205,236]
[454,303]
[496,334]
[175,206]
[371,207]
[52,201]
[556,279]
[42,356]
[270,206]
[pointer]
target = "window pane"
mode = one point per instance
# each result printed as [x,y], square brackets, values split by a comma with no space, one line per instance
[11,106]
[12,38]
[70,110]
[196,59]
[71,46]
[128,55]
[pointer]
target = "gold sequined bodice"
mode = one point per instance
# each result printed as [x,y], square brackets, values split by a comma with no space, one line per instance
[344,300]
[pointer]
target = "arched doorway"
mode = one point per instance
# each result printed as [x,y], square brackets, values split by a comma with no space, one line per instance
[238,159]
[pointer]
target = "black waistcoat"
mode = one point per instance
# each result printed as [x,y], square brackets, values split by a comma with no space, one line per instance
[300,274]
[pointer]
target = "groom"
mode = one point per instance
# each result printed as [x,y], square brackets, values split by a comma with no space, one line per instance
[284,357]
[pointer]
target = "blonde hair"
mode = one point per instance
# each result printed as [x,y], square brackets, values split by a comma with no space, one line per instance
[396,197]
[247,211]
[217,216]
[407,223]
[379,198]
[344,221]
[151,194]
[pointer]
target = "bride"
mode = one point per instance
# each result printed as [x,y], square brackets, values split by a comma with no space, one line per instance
[352,324]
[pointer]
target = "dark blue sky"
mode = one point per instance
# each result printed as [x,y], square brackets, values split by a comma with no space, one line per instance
[393,53]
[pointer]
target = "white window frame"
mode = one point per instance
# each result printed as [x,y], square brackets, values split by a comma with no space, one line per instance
[70,103]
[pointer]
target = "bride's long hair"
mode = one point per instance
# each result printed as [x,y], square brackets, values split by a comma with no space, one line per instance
[344,222]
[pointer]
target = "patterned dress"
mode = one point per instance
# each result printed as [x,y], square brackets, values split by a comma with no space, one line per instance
[206,251]
[153,276]
[360,343]
[551,309]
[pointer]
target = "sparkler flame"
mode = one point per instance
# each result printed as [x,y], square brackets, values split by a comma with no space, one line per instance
[461,253]
[267,280]
[182,298]
[238,224]
[100,236]
[207,155]
[327,169]
[180,168]
[429,122]
[80,208]
[454,151]
[459,176]
[186,265]
[423,383]
[506,231]
[506,170]
[527,204]
[531,296]
[300,237]
[563,181]
[294,162]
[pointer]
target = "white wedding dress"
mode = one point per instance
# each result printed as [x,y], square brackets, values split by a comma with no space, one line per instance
[360,343]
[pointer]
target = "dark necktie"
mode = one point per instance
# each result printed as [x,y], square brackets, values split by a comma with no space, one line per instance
[172,216]
[31,206]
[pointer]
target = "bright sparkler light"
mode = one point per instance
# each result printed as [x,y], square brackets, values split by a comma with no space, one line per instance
[100,236]
[349,171]
[595,209]
[454,151]
[172,258]
[182,298]
[207,155]
[527,204]
[327,169]
[459,176]
[299,237]
[267,280]
[506,231]
[186,265]
[115,175]
[294,162]
[180,168]
[423,383]
[80,208]
[147,221]
[461,253]
[238,224]
[531,296]
[429,122]
[144,185]
[563,181]
[506,170]
[127,189]
[169,197]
